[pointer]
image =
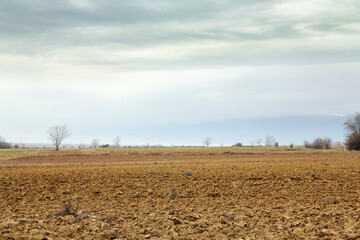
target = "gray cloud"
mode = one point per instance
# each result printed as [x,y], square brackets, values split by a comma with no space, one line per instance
[180,33]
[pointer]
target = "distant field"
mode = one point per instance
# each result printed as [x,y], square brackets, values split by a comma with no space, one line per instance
[6,154]
[180,193]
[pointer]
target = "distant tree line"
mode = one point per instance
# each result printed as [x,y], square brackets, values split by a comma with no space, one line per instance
[319,143]
[352,142]
[58,133]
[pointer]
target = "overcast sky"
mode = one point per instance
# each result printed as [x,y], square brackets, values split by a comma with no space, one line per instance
[120,65]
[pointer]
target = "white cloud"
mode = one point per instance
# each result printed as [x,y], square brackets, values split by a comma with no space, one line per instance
[169,62]
[83,4]
[302,7]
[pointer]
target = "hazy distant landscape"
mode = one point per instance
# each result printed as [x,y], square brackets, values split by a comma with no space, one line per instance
[286,130]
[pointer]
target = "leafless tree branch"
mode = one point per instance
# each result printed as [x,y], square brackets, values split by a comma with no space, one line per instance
[57,134]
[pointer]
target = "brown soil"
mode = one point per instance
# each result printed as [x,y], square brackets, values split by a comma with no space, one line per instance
[181,194]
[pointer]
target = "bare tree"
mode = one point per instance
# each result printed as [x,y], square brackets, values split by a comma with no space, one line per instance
[57,134]
[3,143]
[269,141]
[207,141]
[82,145]
[338,145]
[95,143]
[352,127]
[116,142]
[259,141]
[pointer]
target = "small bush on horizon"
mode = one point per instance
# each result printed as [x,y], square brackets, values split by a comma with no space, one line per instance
[239,144]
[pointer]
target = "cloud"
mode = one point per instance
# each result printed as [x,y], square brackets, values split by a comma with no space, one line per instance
[82,4]
[185,62]
[173,35]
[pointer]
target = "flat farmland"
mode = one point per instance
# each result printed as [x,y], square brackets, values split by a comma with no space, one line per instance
[190,193]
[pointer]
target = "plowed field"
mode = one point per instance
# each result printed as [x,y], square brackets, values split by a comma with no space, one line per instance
[180,194]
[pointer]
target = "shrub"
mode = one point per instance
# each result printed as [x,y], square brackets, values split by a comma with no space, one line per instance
[239,144]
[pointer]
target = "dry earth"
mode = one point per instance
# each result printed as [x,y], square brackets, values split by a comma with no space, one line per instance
[180,194]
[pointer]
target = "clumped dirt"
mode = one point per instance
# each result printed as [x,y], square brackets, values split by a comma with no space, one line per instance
[181,194]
